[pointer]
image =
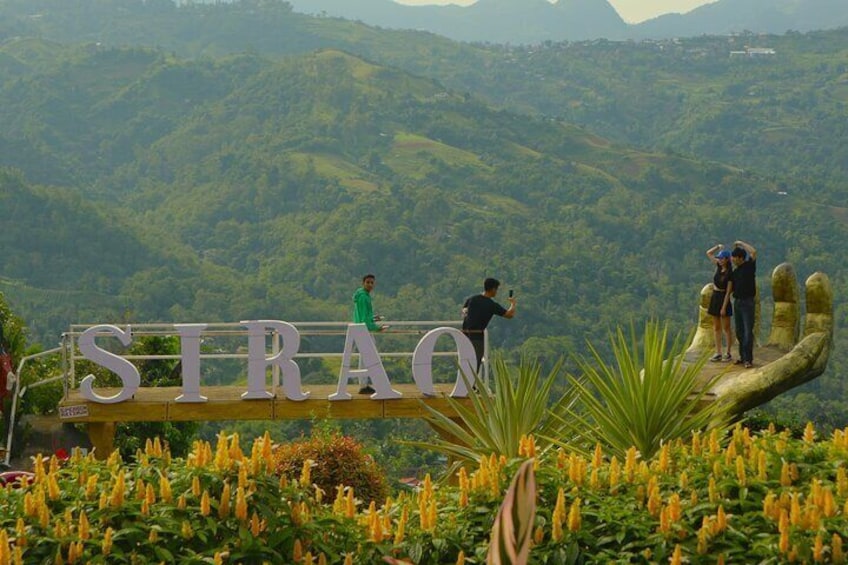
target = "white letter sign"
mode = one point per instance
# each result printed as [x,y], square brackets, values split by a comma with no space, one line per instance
[118,365]
[373,367]
[257,362]
[422,361]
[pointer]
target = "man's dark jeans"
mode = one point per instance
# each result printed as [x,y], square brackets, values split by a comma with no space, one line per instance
[743,317]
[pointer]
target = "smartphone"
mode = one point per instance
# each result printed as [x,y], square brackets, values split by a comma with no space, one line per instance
[510,293]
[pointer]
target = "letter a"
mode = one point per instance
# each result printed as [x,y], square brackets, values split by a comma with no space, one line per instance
[359,335]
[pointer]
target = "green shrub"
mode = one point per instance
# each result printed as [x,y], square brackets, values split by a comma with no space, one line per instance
[337,460]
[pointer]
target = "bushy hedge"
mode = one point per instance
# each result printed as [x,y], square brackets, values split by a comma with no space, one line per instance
[748,499]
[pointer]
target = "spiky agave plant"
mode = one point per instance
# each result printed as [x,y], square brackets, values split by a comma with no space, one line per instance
[517,405]
[649,395]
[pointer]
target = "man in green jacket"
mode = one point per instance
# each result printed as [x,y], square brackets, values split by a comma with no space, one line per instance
[363,313]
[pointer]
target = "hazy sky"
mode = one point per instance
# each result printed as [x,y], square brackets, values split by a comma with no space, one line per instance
[631,10]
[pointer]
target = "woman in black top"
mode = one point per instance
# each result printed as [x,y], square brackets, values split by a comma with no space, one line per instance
[720,308]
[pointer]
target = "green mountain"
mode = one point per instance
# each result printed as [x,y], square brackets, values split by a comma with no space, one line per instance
[204,180]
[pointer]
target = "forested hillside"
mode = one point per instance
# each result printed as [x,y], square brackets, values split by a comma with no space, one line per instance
[158,184]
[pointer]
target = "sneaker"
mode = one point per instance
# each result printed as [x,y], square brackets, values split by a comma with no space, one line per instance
[749,365]
[367,389]
[716,357]
[728,357]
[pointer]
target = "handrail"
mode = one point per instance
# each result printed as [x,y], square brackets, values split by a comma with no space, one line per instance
[20,392]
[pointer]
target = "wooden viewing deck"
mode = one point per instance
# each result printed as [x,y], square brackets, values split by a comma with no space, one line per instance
[225,403]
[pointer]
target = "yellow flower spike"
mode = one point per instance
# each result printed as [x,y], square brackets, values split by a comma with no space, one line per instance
[762,466]
[308,559]
[828,505]
[20,532]
[104,501]
[693,498]
[712,489]
[148,447]
[598,456]
[18,555]
[696,443]
[721,520]
[677,555]
[350,504]
[836,553]
[809,433]
[222,453]
[683,480]
[241,504]
[818,549]
[574,518]
[720,560]
[654,502]
[674,509]
[432,517]
[186,530]
[715,446]
[348,559]
[339,502]
[297,553]
[594,478]
[665,521]
[322,559]
[205,504]
[268,450]
[795,511]
[401,527]
[539,535]
[195,485]
[153,536]
[145,508]
[118,490]
[255,525]
[630,465]
[556,530]
[242,476]
[181,502]
[165,492]
[106,544]
[91,486]
[665,458]
[783,528]
[53,490]
[741,476]
[150,494]
[730,453]
[218,559]
[224,503]
[114,459]
[234,450]
[614,473]
[770,509]
[785,477]
[157,447]
[306,473]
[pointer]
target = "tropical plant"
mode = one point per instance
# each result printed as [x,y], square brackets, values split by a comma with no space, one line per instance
[512,534]
[496,420]
[649,396]
[334,460]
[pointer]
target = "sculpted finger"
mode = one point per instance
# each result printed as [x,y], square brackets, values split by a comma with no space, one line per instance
[704,339]
[787,307]
[819,305]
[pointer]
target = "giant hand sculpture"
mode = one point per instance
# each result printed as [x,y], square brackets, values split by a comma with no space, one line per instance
[783,362]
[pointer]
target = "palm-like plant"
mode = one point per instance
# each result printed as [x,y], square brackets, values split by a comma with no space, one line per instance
[495,421]
[648,396]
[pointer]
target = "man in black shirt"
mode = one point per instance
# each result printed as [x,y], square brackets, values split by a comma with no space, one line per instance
[743,282]
[478,311]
